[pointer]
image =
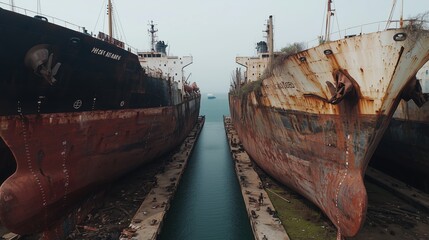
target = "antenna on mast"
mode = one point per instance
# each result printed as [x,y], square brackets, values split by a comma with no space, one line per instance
[152,32]
[328,21]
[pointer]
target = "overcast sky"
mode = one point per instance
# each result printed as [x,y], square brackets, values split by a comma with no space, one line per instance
[215,32]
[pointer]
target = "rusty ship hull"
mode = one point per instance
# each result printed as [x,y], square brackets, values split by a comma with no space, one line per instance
[301,126]
[75,112]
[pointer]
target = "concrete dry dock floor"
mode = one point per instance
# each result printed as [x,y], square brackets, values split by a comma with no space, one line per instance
[148,220]
[407,193]
[265,225]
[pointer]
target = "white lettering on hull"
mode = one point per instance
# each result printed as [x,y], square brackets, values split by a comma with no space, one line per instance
[104,53]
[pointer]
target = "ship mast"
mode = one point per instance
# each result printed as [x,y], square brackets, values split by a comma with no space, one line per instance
[401,20]
[109,11]
[270,37]
[328,21]
[12,6]
[152,32]
[391,14]
[39,8]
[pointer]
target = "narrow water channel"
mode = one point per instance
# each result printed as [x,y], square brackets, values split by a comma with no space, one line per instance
[208,203]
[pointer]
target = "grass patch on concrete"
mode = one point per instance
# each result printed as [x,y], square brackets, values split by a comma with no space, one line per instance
[300,221]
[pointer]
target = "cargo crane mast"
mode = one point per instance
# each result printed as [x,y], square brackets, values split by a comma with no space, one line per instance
[152,32]
[328,21]
[110,13]
[401,20]
[39,8]
[12,6]
[270,38]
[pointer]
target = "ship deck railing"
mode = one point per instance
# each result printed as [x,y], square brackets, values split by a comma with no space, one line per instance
[59,22]
[369,28]
[51,19]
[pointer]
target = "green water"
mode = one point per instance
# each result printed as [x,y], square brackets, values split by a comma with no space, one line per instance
[208,202]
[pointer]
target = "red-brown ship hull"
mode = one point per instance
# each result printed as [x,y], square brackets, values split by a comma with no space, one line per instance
[319,156]
[313,119]
[61,157]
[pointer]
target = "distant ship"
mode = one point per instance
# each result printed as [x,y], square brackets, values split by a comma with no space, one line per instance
[211,96]
[404,149]
[77,111]
[313,119]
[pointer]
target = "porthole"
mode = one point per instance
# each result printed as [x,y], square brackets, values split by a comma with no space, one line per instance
[327,52]
[77,104]
[400,36]
[75,40]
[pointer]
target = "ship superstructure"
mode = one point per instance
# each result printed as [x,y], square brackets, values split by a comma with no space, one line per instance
[157,63]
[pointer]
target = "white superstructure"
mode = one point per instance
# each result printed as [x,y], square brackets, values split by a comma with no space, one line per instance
[158,64]
[423,76]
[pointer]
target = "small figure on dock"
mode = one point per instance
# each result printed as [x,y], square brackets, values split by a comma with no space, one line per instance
[270,211]
[254,215]
[261,199]
[265,238]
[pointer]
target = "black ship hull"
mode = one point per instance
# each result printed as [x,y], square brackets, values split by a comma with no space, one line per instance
[75,112]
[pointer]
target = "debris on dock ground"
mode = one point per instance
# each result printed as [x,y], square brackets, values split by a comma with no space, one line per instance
[122,199]
[262,214]
[114,218]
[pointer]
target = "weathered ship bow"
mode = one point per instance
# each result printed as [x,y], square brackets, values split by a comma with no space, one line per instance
[313,119]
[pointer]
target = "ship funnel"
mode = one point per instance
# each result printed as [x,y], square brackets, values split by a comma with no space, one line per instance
[161,47]
[262,47]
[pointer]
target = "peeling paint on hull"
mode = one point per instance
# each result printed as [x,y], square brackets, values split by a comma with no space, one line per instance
[61,157]
[321,149]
